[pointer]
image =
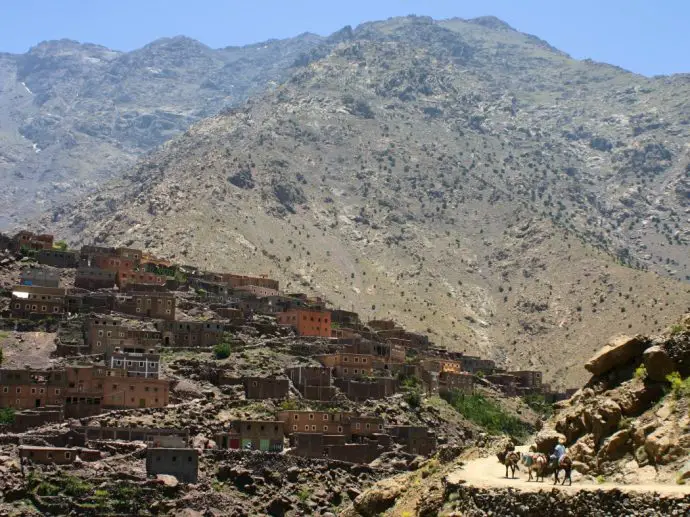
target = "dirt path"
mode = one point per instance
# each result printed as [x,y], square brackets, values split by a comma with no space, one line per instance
[489,473]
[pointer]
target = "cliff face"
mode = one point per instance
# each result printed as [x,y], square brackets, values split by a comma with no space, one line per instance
[458,176]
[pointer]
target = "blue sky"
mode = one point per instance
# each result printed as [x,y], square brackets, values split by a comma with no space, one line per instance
[645,36]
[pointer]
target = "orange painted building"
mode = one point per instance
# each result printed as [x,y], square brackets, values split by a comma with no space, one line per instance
[307,322]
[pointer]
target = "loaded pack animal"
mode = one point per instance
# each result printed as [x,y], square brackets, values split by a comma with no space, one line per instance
[565,464]
[511,459]
[535,462]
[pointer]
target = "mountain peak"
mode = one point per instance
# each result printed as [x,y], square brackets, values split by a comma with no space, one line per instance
[492,22]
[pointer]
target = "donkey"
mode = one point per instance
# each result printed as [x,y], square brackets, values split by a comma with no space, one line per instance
[565,464]
[537,463]
[511,460]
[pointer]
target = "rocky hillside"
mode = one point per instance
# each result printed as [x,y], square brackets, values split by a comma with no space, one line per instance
[73,115]
[459,176]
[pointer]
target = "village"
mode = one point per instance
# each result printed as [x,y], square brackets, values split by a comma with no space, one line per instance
[119,314]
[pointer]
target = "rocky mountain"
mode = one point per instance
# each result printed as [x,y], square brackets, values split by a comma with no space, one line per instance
[73,115]
[458,176]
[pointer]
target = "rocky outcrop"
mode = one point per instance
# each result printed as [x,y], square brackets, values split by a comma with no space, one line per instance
[617,352]
[547,439]
[657,363]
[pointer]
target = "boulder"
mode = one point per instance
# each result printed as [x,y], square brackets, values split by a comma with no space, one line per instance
[658,363]
[658,444]
[616,446]
[583,449]
[547,439]
[378,498]
[684,472]
[167,480]
[619,351]
[603,419]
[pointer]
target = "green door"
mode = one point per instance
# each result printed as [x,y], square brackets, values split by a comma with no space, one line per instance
[264,445]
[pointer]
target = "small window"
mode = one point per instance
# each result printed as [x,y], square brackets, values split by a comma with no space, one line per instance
[33,391]
[68,455]
[19,390]
[311,416]
[306,428]
[174,458]
[325,428]
[296,417]
[294,428]
[340,428]
[57,391]
[313,428]
[5,389]
[357,425]
[325,416]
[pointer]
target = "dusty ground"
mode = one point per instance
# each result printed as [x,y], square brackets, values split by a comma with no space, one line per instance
[26,348]
[487,472]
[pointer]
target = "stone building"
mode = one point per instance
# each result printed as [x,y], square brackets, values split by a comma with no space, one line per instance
[313,382]
[92,278]
[58,258]
[26,240]
[105,333]
[57,455]
[347,366]
[30,389]
[191,333]
[361,390]
[262,388]
[506,383]
[325,422]
[37,302]
[455,381]
[182,463]
[415,439]
[307,322]
[39,277]
[259,435]
[150,305]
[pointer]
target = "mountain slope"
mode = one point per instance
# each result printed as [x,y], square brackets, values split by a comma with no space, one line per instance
[427,171]
[73,115]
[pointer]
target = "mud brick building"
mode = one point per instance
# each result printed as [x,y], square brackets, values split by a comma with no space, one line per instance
[415,439]
[86,302]
[365,425]
[39,277]
[191,334]
[386,353]
[259,435]
[455,381]
[345,319]
[506,383]
[105,333]
[58,258]
[320,445]
[135,392]
[232,314]
[26,240]
[57,455]
[128,277]
[262,388]
[219,289]
[37,302]
[324,422]
[258,291]
[182,463]
[313,382]
[307,322]
[375,388]
[347,366]
[473,364]
[93,278]
[30,389]
[528,379]
[39,416]
[150,305]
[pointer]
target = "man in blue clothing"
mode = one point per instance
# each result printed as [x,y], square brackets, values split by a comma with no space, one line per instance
[558,451]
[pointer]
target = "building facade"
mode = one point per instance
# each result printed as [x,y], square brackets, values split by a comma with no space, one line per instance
[307,322]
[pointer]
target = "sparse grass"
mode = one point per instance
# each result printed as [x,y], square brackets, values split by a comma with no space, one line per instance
[486,413]
[679,387]
[676,329]
[538,404]
[600,479]
[6,415]
[304,494]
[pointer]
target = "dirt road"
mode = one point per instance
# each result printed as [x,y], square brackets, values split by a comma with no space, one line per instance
[489,473]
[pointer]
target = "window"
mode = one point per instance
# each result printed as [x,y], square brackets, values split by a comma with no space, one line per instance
[344,370]
[311,416]
[118,363]
[356,359]
[325,428]
[57,391]
[19,390]
[294,428]
[313,428]
[255,384]
[17,305]
[340,428]
[325,417]
[100,333]
[68,455]
[33,391]
[364,359]
[56,309]
[174,458]
[296,417]
[346,359]
[306,428]
[5,389]
[380,427]
[141,364]
[367,426]
[44,308]
[131,388]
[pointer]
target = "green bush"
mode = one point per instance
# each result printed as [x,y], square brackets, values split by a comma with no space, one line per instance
[486,413]
[641,372]
[676,329]
[413,398]
[538,404]
[222,350]
[6,415]
[679,387]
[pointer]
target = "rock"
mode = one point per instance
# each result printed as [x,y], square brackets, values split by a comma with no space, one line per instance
[617,352]
[603,419]
[547,439]
[188,512]
[278,506]
[684,472]
[658,363]
[658,444]
[580,467]
[168,480]
[583,449]
[616,445]
[379,498]
[293,474]
[353,493]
